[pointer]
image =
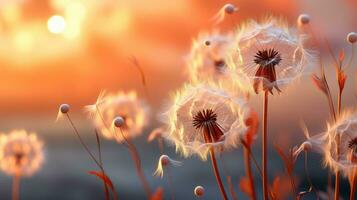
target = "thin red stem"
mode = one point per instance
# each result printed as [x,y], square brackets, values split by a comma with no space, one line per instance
[248,170]
[231,188]
[16,187]
[217,175]
[136,158]
[264,146]
[353,188]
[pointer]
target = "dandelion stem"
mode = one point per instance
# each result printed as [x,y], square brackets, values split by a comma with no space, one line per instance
[216,173]
[136,157]
[338,141]
[170,184]
[264,145]
[82,142]
[352,55]
[16,187]
[231,188]
[248,170]
[337,175]
[98,163]
[308,175]
[106,189]
[353,187]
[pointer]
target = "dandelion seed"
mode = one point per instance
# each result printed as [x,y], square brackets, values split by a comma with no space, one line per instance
[221,14]
[303,19]
[165,161]
[133,114]
[119,122]
[199,191]
[352,37]
[63,109]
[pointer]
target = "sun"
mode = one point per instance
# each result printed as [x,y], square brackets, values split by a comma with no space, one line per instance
[56,24]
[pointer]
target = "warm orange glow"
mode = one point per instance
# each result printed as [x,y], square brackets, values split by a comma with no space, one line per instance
[56,24]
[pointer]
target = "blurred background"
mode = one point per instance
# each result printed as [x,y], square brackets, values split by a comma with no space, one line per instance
[68,51]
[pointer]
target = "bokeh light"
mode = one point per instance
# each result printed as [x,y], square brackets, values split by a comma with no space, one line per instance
[56,24]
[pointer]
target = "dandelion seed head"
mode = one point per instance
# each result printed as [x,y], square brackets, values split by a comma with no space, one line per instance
[270,53]
[207,57]
[64,108]
[21,153]
[203,117]
[209,64]
[303,19]
[199,191]
[345,128]
[122,110]
[352,37]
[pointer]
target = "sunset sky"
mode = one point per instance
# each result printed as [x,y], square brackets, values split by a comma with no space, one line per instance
[95,40]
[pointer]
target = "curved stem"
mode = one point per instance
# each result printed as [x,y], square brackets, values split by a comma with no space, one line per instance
[82,142]
[136,158]
[16,187]
[248,170]
[264,146]
[217,175]
[308,176]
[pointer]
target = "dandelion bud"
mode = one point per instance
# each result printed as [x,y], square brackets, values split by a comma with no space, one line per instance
[230,8]
[199,191]
[118,122]
[303,19]
[352,37]
[165,160]
[307,146]
[64,108]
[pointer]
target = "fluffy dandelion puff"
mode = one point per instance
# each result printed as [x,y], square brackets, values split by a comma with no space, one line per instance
[207,62]
[346,129]
[165,161]
[132,111]
[227,9]
[270,53]
[303,19]
[203,117]
[21,153]
[199,191]
[207,56]
[352,37]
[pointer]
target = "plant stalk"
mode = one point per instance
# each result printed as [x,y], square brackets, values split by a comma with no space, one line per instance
[264,146]
[248,170]
[16,187]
